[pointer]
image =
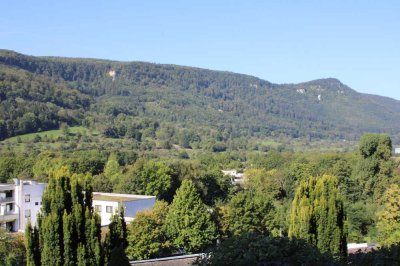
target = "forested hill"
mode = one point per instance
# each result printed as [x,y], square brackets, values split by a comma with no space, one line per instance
[135,99]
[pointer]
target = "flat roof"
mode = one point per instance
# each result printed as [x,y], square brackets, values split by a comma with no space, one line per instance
[118,197]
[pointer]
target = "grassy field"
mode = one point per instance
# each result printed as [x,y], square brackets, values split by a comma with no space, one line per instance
[50,134]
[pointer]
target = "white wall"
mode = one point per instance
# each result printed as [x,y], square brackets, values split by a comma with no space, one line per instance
[130,208]
[35,190]
[105,217]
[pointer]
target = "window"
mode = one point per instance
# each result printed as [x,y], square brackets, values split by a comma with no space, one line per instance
[27,213]
[27,197]
[9,194]
[9,207]
[36,203]
[109,209]
[97,208]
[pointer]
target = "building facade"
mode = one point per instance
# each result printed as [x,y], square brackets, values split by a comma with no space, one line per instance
[107,204]
[22,201]
[19,203]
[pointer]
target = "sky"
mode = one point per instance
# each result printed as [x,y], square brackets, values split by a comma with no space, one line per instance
[281,41]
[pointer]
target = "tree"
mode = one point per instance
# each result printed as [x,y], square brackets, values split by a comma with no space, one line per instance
[146,236]
[65,129]
[12,250]
[148,178]
[32,245]
[268,182]
[188,222]
[389,218]
[247,211]
[116,240]
[69,231]
[374,168]
[255,249]
[111,169]
[317,215]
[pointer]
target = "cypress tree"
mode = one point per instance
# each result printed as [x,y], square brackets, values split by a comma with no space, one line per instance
[188,222]
[51,253]
[116,238]
[317,215]
[69,231]
[69,256]
[81,256]
[118,233]
[32,245]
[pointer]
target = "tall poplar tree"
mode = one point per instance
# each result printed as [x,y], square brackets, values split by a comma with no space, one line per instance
[69,231]
[317,215]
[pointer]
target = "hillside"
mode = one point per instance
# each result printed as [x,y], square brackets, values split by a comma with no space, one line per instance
[181,105]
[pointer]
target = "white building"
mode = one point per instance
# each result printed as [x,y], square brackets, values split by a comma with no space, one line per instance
[22,201]
[107,204]
[236,178]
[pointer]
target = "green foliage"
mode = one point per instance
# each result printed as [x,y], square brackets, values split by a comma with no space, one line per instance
[389,218]
[69,231]
[148,178]
[118,257]
[374,168]
[317,215]
[195,108]
[385,256]
[270,183]
[146,236]
[12,251]
[255,249]
[246,212]
[111,169]
[189,223]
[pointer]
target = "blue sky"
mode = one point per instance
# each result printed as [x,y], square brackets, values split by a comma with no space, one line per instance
[281,41]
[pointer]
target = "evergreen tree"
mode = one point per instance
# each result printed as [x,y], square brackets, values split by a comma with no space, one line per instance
[69,250]
[188,222]
[116,238]
[69,231]
[32,245]
[118,257]
[317,215]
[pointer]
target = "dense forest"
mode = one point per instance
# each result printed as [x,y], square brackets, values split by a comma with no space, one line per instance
[181,105]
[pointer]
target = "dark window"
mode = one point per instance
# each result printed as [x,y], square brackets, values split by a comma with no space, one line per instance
[109,209]
[9,194]
[97,208]
[27,213]
[36,203]
[27,197]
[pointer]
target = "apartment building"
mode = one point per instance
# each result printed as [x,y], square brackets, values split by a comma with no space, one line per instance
[22,201]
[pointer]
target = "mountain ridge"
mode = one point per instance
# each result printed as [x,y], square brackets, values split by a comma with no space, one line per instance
[222,102]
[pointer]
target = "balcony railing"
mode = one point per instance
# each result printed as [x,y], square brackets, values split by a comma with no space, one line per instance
[8,216]
[7,199]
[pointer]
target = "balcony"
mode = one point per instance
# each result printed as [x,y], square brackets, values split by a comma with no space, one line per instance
[8,216]
[6,199]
